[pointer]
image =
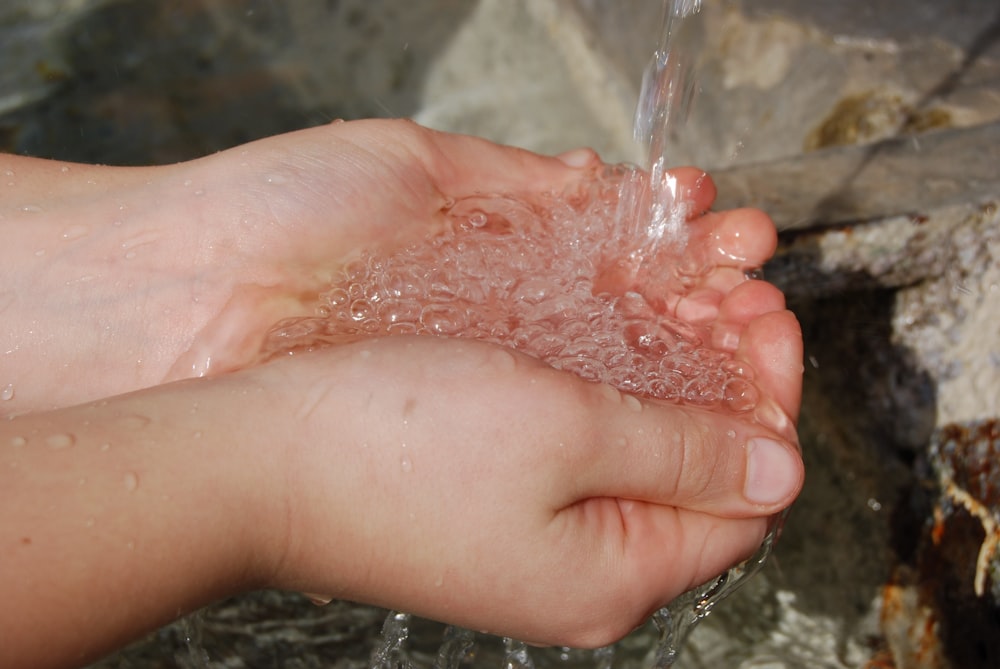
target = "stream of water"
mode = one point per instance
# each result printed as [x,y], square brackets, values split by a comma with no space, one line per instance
[527,275]
[470,282]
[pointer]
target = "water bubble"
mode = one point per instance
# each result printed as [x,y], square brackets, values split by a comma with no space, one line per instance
[18,441]
[563,281]
[406,464]
[7,392]
[442,319]
[60,441]
[739,395]
[131,481]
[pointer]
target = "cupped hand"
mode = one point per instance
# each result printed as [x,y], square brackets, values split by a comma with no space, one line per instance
[466,483]
[309,202]
[179,271]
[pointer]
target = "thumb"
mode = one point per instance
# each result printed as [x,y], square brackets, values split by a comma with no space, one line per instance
[689,458]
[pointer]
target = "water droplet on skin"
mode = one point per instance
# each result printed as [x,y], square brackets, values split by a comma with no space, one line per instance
[31,209]
[105,447]
[199,192]
[82,481]
[503,360]
[406,464]
[131,481]
[610,392]
[632,402]
[18,441]
[74,232]
[275,179]
[133,421]
[318,600]
[60,441]
[7,393]
[64,169]
[90,522]
[731,434]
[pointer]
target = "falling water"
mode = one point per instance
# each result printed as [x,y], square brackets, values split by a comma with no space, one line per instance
[650,211]
[438,289]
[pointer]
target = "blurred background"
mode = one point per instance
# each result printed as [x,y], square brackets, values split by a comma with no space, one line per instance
[870,131]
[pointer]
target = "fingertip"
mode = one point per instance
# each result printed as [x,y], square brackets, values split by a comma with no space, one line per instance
[744,238]
[695,187]
[772,344]
[741,305]
[580,158]
[774,474]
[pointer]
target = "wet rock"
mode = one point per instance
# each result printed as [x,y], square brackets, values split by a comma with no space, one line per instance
[942,605]
[868,130]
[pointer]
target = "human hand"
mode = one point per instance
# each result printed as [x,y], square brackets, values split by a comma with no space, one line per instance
[127,277]
[572,510]
[482,488]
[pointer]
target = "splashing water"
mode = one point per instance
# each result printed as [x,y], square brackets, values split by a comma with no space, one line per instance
[538,277]
[583,281]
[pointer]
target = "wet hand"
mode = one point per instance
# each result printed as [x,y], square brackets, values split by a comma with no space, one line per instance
[465,483]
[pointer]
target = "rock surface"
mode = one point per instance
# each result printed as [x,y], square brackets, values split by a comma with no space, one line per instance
[868,130]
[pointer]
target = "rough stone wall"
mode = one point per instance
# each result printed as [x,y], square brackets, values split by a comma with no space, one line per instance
[869,130]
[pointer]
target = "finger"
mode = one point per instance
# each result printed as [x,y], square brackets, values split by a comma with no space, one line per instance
[465,165]
[693,187]
[772,344]
[744,303]
[740,238]
[691,458]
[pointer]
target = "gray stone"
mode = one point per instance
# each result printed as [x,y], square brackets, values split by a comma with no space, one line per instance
[869,131]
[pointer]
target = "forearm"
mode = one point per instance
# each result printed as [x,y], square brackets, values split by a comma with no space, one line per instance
[109,276]
[124,514]
[73,270]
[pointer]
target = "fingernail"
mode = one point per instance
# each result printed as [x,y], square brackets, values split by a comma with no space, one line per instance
[772,472]
[577,157]
[770,415]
